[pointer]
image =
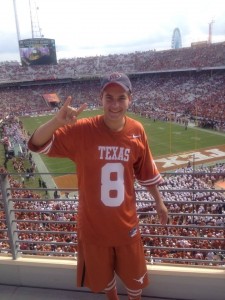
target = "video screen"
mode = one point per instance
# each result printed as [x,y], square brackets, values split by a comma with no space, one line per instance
[38,51]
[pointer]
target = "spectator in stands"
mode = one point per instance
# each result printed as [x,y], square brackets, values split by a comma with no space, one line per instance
[115,147]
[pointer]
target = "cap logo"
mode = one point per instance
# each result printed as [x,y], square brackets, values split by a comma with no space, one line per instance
[114,76]
[117,78]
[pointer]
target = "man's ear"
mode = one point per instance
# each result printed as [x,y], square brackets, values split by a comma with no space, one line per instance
[130,99]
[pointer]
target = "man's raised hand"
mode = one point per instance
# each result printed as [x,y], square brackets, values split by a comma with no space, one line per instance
[67,114]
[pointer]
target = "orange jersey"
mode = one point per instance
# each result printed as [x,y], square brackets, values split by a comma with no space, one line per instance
[107,164]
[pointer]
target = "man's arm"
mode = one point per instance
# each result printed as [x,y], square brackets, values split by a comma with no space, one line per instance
[160,206]
[66,115]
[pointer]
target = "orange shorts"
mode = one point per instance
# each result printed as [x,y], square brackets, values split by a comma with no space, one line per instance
[97,266]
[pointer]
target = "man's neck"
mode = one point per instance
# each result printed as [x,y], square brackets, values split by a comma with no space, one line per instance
[117,125]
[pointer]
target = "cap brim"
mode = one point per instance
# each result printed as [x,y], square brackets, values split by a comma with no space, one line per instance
[118,83]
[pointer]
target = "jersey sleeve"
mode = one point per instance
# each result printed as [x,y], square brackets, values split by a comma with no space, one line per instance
[40,149]
[145,169]
[64,143]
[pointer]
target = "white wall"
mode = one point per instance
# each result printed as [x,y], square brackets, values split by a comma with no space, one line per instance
[196,283]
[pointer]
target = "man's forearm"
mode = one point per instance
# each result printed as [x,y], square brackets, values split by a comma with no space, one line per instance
[45,132]
[154,191]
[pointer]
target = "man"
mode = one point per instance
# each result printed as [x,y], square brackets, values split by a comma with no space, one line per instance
[110,152]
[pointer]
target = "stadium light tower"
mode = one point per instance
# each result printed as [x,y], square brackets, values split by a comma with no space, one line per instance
[35,28]
[16,19]
[210,32]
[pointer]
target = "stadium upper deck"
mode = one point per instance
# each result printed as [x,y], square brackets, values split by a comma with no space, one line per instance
[195,58]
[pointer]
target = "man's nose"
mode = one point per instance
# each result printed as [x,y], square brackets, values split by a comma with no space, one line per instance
[115,103]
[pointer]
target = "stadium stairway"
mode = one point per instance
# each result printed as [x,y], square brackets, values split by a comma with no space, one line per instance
[42,169]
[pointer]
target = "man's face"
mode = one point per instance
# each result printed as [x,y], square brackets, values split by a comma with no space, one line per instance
[115,101]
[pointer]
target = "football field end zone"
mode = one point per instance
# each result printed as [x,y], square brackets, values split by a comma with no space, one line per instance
[205,156]
[166,280]
[68,181]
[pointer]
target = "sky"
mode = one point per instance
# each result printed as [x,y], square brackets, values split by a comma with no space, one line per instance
[101,27]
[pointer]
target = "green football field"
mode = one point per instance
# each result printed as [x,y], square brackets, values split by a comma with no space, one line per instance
[164,138]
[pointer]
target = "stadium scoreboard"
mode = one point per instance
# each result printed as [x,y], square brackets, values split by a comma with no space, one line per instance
[37,51]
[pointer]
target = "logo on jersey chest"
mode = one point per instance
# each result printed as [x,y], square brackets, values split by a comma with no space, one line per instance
[114,153]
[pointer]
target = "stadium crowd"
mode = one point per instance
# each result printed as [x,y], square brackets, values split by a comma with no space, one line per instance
[196,57]
[197,219]
[200,214]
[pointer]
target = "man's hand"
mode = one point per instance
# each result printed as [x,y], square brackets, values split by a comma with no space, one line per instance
[67,114]
[160,206]
[162,213]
